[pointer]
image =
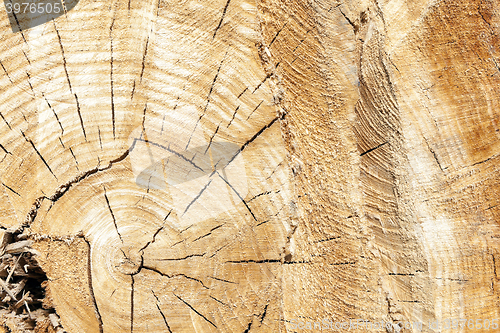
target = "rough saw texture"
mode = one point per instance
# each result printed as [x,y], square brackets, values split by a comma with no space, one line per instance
[231,166]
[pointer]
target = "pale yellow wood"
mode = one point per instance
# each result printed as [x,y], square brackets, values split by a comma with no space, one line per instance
[237,165]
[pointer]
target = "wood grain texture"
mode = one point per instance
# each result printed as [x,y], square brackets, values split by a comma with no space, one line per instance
[233,165]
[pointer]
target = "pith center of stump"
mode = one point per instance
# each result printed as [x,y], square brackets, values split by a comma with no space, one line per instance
[130,261]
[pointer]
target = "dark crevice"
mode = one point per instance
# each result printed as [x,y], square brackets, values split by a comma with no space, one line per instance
[111,77]
[161,312]
[185,229]
[355,28]
[5,120]
[19,26]
[208,98]
[494,266]
[143,60]
[276,169]
[144,120]
[434,155]
[222,18]
[241,94]
[495,62]
[169,150]
[132,304]
[148,268]
[251,261]
[28,59]
[251,113]
[277,34]
[300,43]
[217,251]
[181,241]
[372,149]
[222,280]
[29,83]
[192,278]
[258,195]
[482,16]
[10,189]
[296,262]
[343,263]
[402,274]
[205,235]
[196,311]
[253,139]
[33,212]
[263,222]
[99,133]
[156,232]
[39,155]
[54,112]
[263,315]
[174,108]
[112,215]
[387,56]
[239,196]
[158,9]
[435,158]
[196,198]
[234,115]
[451,279]
[69,81]
[6,73]
[91,288]
[64,188]
[209,233]
[154,270]
[215,80]
[133,91]
[261,83]
[325,240]
[80,116]
[74,157]
[392,99]
[211,139]
[219,301]
[486,160]
[184,258]
[248,327]
[260,223]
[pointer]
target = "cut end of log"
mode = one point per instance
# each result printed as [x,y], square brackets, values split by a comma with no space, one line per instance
[240,165]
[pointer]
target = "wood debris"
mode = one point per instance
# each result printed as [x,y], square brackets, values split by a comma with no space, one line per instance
[22,292]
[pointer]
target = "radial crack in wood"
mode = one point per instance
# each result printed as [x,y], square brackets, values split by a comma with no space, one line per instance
[243,166]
